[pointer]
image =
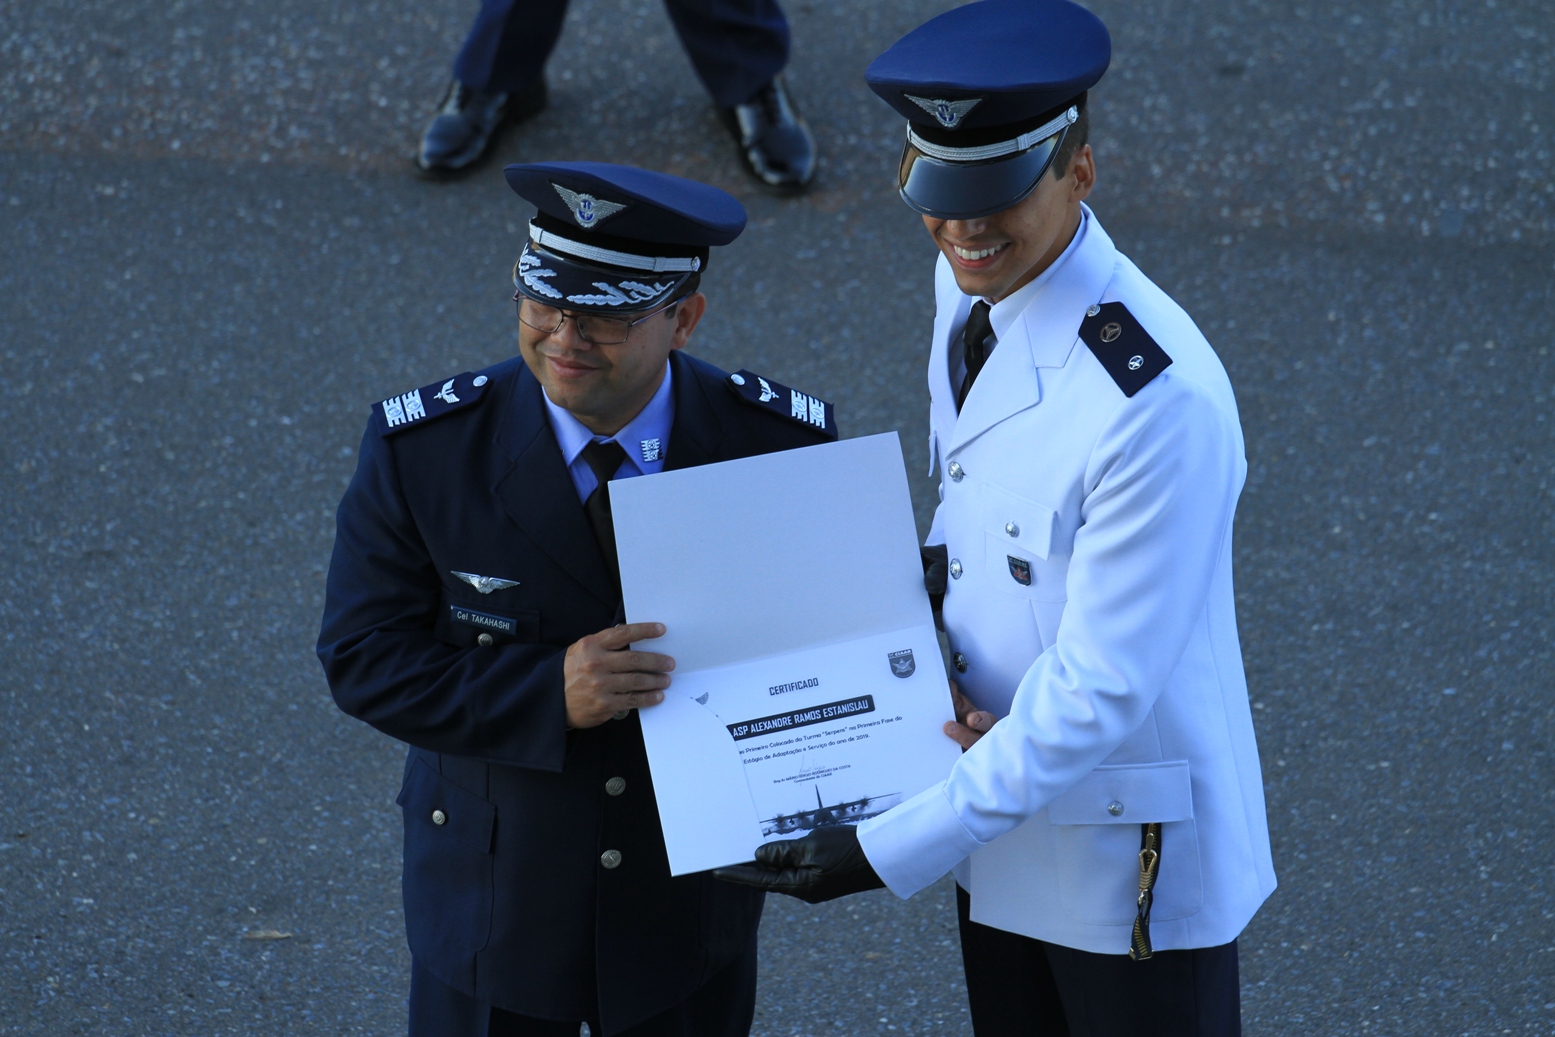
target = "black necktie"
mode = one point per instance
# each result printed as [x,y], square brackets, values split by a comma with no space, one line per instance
[604,459]
[974,340]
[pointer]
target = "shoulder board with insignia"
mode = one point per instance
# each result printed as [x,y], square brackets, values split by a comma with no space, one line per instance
[800,408]
[1124,348]
[419,406]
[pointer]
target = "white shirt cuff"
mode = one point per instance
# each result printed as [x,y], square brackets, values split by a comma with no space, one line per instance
[912,845]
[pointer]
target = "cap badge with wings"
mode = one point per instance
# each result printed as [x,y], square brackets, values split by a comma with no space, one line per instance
[587,209]
[949,113]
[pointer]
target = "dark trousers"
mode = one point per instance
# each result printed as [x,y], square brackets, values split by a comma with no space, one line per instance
[722,1007]
[1020,987]
[736,46]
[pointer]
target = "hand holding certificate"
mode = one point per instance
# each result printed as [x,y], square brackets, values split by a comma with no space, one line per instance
[808,690]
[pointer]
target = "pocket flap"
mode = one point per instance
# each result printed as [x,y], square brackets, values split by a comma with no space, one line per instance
[432,801]
[1127,794]
[1025,525]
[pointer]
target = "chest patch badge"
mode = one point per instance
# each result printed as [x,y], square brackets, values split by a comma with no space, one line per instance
[419,406]
[1020,570]
[902,663]
[1124,348]
[800,408]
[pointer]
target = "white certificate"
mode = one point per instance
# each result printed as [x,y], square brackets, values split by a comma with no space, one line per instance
[808,688]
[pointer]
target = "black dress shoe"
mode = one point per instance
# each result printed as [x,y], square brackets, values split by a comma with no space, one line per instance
[774,141]
[467,124]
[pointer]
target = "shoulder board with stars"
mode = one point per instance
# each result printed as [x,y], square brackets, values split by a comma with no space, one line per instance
[800,408]
[419,406]
[1124,348]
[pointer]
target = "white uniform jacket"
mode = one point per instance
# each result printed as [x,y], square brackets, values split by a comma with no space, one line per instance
[1113,664]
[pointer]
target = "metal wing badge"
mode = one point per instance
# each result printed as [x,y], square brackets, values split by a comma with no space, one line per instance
[485,584]
[586,209]
[949,113]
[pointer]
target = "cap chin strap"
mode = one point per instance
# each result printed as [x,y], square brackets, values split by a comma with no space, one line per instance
[1005,147]
[610,257]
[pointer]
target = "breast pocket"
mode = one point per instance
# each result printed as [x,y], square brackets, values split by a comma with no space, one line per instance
[1017,547]
[1097,829]
[448,868]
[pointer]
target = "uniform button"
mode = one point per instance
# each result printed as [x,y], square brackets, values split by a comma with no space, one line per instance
[615,786]
[955,568]
[1115,808]
[957,473]
[959,662]
[484,640]
[1093,311]
[621,714]
[438,817]
[610,859]
[480,380]
[1012,529]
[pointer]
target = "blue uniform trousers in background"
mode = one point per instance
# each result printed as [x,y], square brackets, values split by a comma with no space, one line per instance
[736,46]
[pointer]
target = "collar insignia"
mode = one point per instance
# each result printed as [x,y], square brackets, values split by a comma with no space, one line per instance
[587,210]
[485,584]
[949,113]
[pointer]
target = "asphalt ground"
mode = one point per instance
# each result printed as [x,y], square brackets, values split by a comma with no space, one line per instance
[213,259]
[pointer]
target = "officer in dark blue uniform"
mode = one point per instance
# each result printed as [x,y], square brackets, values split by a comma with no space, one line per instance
[738,48]
[472,610]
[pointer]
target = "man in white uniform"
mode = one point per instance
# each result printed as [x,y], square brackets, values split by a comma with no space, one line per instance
[1106,825]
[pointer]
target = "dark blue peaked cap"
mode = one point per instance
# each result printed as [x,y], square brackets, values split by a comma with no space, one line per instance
[988,90]
[659,208]
[1020,58]
[616,239]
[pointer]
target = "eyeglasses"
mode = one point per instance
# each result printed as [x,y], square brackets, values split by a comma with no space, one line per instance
[601,331]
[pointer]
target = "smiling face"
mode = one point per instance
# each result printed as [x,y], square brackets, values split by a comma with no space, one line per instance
[605,387]
[995,256]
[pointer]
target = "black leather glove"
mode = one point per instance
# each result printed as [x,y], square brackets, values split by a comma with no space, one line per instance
[936,570]
[824,865]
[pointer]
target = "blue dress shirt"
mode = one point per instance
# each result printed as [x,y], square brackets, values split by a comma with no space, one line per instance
[645,438]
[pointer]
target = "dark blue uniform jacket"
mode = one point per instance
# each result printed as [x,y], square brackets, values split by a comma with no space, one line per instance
[506,899]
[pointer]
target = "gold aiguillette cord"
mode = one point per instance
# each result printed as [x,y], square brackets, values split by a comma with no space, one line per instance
[1149,865]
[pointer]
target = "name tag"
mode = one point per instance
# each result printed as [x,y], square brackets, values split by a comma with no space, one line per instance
[483,620]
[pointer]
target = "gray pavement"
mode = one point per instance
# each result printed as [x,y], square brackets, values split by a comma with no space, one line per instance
[212,259]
